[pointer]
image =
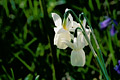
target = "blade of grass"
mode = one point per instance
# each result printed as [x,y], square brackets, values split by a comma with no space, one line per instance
[37,77]
[98,4]
[30,42]
[91,5]
[23,62]
[9,77]
[5,5]
[111,48]
[13,77]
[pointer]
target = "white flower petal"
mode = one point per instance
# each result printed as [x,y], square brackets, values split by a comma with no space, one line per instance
[70,17]
[58,39]
[72,36]
[75,43]
[66,9]
[57,20]
[68,43]
[84,22]
[80,40]
[56,29]
[88,31]
[69,22]
[84,41]
[74,26]
[78,58]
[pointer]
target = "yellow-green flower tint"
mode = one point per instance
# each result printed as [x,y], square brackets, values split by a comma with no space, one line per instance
[64,24]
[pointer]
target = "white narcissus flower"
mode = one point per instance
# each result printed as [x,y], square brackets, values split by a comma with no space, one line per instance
[77,54]
[62,38]
[61,31]
[79,42]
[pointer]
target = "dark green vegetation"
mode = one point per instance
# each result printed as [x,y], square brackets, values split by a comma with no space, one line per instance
[26,40]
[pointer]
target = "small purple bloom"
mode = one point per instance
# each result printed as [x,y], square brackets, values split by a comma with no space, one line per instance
[117,67]
[112,30]
[105,23]
[119,62]
[115,22]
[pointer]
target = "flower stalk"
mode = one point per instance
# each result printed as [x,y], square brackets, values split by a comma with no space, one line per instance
[99,50]
[99,57]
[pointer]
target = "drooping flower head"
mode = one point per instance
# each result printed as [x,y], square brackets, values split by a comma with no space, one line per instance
[117,67]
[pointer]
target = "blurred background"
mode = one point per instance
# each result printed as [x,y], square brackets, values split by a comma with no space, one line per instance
[26,40]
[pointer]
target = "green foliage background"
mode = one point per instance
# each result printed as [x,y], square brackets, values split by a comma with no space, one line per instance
[26,40]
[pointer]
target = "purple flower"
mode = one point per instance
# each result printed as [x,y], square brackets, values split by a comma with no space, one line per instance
[117,67]
[112,30]
[119,62]
[105,23]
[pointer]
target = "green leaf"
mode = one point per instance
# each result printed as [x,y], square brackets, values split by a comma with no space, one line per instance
[30,42]
[23,62]
[23,4]
[98,4]
[114,14]
[25,32]
[91,5]
[35,10]
[40,50]
[37,77]
[30,4]
[5,5]
[13,78]
[111,48]
[13,4]
[29,77]
[29,19]
[9,77]
[41,9]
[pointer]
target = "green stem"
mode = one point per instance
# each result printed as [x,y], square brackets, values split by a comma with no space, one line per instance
[95,55]
[13,77]
[99,50]
[93,51]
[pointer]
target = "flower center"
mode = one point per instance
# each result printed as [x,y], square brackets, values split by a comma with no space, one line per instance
[64,27]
